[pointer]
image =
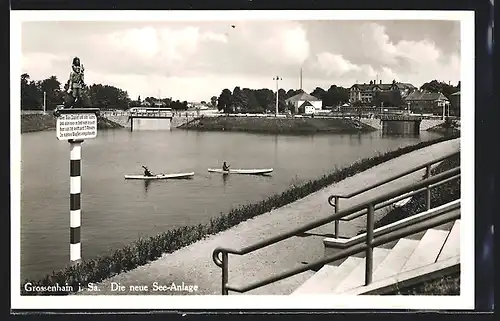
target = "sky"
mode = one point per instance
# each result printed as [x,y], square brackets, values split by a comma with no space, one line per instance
[195,60]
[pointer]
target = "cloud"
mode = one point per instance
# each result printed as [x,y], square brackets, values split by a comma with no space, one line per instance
[144,57]
[403,60]
[335,64]
[284,45]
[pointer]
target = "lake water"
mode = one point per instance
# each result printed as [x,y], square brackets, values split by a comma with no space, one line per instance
[116,211]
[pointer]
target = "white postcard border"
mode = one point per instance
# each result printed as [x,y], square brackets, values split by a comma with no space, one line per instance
[464,301]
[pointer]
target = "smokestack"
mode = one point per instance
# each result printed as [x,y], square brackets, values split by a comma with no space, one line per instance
[300,78]
[381,81]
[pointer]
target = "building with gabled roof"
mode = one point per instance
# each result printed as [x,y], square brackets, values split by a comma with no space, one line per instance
[302,103]
[365,93]
[426,102]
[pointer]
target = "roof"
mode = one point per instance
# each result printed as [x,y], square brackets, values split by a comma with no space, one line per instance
[404,85]
[306,103]
[425,96]
[302,96]
[400,85]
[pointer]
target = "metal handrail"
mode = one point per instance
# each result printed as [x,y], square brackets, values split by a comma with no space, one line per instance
[384,239]
[222,261]
[397,199]
[427,166]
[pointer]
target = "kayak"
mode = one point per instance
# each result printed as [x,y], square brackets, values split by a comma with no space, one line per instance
[161,176]
[241,171]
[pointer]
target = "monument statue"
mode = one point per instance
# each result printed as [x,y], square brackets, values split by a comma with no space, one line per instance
[76,83]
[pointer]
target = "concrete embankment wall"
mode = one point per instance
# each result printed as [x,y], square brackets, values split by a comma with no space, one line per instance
[180,120]
[121,119]
[37,122]
[373,122]
[424,125]
[47,121]
[429,123]
[279,125]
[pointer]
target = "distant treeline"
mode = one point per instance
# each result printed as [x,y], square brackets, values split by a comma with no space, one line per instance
[260,100]
[238,100]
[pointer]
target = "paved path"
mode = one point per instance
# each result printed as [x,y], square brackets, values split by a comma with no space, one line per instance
[193,264]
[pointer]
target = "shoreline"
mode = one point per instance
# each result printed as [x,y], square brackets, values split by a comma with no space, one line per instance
[279,125]
[146,250]
[32,123]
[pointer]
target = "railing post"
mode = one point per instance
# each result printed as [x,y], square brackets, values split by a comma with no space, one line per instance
[225,272]
[337,221]
[428,191]
[369,242]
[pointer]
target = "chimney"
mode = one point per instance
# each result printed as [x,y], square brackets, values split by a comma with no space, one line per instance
[381,81]
[300,78]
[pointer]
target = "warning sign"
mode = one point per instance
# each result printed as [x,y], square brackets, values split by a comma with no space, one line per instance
[76,126]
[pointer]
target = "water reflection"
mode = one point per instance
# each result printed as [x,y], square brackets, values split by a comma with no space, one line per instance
[146,185]
[225,178]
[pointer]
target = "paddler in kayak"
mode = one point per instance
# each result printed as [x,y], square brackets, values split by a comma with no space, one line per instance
[147,173]
[225,167]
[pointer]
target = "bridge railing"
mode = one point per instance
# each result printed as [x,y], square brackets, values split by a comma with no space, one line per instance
[334,200]
[164,114]
[448,213]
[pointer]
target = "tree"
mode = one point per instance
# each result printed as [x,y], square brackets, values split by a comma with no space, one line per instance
[105,96]
[53,94]
[388,99]
[213,101]
[320,93]
[336,96]
[31,93]
[281,100]
[436,86]
[224,101]
[237,100]
[265,98]
[250,101]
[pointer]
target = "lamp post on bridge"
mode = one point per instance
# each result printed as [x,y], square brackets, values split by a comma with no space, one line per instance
[277,78]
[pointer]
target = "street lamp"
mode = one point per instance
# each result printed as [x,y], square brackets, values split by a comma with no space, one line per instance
[277,78]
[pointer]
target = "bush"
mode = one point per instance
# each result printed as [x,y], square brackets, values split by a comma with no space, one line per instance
[146,250]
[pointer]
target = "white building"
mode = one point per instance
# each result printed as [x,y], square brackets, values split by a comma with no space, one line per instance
[304,103]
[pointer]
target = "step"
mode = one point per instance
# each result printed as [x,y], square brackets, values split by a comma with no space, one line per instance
[394,262]
[451,247]
[328,277]
[417,276]
[427,250]
[357,276]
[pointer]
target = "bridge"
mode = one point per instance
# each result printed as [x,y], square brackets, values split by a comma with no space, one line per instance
[400,124]
[157,113]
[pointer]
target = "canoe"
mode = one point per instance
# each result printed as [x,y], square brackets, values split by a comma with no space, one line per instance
[242,171]
[161,176]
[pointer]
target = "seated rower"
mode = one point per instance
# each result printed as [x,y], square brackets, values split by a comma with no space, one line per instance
[147,173]
[225,167]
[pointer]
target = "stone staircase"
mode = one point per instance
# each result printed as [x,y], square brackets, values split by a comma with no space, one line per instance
[405,262]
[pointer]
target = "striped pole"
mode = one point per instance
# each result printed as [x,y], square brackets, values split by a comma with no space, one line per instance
[75,182]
